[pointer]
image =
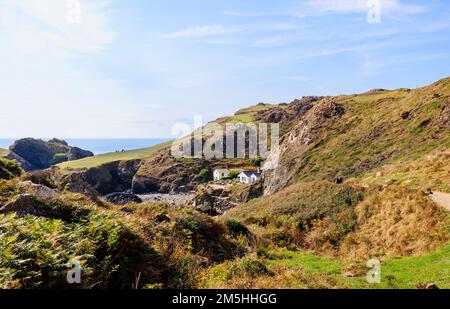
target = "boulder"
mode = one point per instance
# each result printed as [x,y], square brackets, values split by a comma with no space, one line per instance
[39,191]
[123,198]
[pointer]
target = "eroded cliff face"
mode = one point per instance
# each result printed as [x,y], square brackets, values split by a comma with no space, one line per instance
[105,179]
[163,173]
[307,128]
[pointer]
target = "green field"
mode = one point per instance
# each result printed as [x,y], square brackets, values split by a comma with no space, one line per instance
[90,162]
[3,152]
[399,273]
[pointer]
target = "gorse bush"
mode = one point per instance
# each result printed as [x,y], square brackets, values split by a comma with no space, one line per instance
[206,175]
[44,178]
[9,169]
[236,228]
[233,174]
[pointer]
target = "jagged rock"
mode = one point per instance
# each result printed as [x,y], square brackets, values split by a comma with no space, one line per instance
[443,120]
[307,130]
[76,184]
[123,198]
[37,190]
[111,177]
[163,173]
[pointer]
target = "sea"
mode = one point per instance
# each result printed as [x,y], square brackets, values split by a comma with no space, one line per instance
[101,145]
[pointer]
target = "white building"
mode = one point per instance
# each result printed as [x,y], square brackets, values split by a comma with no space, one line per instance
[220,174]
[249,177]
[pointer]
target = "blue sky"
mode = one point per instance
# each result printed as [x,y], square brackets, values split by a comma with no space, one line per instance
[134,68]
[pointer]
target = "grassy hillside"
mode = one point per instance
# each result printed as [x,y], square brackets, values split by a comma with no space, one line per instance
[246,115]
[3,152]
[380,133]
[130,247]
[306,270]
[86,163]
[312,231]
[390,147]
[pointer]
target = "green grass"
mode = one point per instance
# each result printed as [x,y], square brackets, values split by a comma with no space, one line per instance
[98,160]
[245,115]
[3,152]
[398,273]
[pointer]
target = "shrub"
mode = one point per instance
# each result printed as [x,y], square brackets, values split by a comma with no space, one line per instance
[206,175]
[233,174]
[279,238]
[43,178]
[256,162]
[202,234]
[236,228]
[9,169]
[60,157]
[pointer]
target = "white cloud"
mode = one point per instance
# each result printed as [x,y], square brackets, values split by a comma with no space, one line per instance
[201,31]
[355,6]
[48,25]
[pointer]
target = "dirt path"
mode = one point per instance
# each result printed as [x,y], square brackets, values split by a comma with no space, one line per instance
[442,199]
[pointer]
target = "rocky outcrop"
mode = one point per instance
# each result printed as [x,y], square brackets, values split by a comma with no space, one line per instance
[36,154]
[281,166]
[120,198]
[163,173]
[105,179]
[75,183]
[444,118]
[216,199]
[285,113]
[37,190]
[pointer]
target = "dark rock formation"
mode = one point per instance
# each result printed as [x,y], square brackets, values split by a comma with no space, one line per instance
[111,177]
[36,154]
[163,173]
[123,198]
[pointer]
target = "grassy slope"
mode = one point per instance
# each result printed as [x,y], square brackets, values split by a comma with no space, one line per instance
[393,221]
[3,152]
[114,247]
[245,115]
[406,272]
[372,130]
[98,160]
